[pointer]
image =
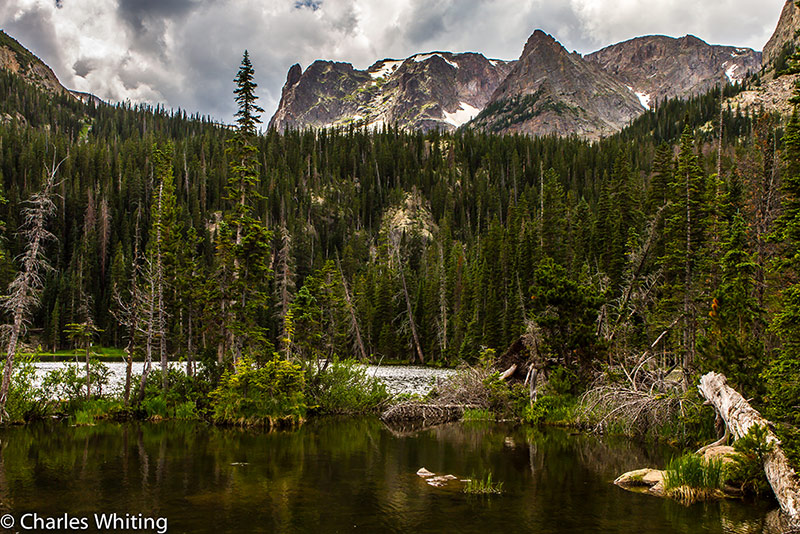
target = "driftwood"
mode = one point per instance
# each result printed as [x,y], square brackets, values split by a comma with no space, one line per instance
[429,414]
[739,417]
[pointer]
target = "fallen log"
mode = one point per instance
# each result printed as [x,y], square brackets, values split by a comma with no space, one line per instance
[739,417]
[508,372]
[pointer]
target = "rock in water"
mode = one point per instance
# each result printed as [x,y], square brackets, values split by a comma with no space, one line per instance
[424,473]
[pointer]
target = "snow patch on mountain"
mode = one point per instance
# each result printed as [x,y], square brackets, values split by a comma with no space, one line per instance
[386,69]
[419,58]
[730,72]
[644,98]
[462,115]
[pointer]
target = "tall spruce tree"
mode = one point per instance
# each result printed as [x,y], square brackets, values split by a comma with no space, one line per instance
[243,245]
[685,254]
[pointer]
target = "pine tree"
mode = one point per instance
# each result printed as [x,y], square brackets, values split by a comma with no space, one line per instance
[247,117]
[783,374]
[685,254]
[243,245]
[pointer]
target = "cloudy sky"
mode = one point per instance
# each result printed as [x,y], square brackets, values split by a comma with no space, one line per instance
[185,53]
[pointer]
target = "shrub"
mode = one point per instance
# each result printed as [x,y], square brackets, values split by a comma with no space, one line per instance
[506,401]
[747,470]
[346,388]
[186,397]
[155,407]
[83,418]
[25,401]
[186,410]
[260,395]
[551,409]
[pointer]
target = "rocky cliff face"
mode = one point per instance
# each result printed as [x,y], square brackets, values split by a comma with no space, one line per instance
[550,91]
[425,91]
[657,67]
[786,36]
[17,59]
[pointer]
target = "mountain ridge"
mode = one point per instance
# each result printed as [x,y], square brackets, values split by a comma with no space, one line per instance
[547,91]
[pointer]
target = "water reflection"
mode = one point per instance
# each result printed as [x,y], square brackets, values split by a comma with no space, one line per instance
[344,475]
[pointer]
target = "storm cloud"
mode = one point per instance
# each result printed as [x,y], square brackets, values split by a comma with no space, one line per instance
[185,53]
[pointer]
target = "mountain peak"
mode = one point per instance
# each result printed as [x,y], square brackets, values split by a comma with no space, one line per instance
[552,92]
[540,39]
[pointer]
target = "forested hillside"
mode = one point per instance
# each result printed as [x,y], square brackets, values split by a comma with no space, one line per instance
[391,245]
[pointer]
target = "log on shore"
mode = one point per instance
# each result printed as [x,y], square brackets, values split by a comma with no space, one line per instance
[739,416]
[430,414]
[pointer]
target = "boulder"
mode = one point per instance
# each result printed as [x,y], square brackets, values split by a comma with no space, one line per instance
[641,477]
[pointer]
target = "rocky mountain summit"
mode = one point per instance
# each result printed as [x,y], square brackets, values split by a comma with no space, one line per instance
[656,67]
[425,91]
[552,91]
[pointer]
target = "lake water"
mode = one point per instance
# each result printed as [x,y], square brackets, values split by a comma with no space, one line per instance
[343,475]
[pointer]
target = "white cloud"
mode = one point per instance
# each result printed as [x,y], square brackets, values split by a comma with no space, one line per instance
[184,53]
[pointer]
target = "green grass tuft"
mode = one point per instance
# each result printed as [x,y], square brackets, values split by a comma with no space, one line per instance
[483,487]
[477,414]
[690,478]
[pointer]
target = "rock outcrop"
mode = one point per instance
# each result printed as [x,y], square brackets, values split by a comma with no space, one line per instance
[772,95]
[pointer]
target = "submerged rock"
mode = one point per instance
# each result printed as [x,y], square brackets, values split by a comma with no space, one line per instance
[432,479]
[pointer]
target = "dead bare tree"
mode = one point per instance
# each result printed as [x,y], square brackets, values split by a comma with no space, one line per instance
[154,325]
[128,312]
[24,291]
[637,283]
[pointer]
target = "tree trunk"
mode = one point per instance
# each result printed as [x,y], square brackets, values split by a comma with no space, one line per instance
[353,318]
[88,373]
[688,312]
[10,352]
[739,416]
[128,371]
